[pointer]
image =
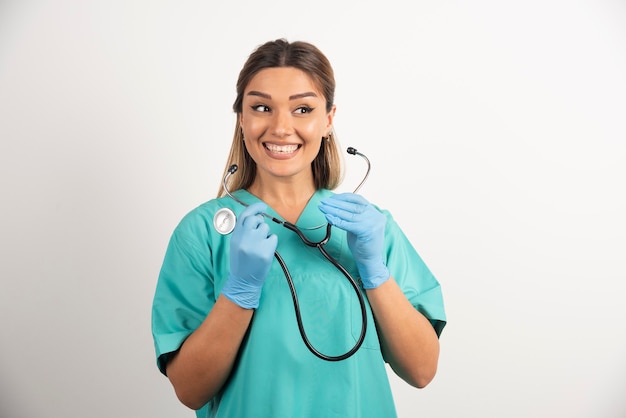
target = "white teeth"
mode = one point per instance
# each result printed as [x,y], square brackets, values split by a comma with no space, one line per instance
[284,149]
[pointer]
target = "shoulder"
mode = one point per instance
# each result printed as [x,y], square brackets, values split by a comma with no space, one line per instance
[390,219]
[198,222]
[201,214]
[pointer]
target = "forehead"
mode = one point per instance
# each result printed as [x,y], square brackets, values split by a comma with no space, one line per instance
[281,81]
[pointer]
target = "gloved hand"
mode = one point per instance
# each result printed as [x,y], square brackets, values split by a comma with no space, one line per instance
[366,230]
[251,254]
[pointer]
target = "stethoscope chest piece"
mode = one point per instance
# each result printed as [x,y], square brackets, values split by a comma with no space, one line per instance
[224,221]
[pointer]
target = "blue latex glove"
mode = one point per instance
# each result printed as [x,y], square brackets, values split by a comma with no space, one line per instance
[251,255]
[366,231]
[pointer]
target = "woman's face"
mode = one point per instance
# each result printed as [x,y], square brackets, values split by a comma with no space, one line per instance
[283,119]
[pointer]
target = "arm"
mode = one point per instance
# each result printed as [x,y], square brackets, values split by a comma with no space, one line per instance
[205,359]
[408,340]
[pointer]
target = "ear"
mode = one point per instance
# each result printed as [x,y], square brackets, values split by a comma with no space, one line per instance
[331,116]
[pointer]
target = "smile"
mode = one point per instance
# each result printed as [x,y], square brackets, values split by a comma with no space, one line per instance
[282,149]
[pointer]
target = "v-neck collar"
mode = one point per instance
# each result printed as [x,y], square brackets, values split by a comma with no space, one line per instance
[310,216]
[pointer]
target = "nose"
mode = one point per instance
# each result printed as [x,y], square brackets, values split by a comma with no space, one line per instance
[281,124]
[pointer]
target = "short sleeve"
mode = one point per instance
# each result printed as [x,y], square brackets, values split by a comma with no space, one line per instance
[413,276]
[185,292]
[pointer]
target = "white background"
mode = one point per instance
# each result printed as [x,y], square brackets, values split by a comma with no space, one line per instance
[497,137]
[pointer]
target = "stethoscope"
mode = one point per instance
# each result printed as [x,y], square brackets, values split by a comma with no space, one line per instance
[224,222]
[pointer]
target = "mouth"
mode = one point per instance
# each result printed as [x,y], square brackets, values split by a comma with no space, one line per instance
[281,149]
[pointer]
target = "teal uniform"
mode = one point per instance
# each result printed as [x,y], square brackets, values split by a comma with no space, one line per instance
[275,374]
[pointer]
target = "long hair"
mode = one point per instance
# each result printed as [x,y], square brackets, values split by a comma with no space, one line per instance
[327,165]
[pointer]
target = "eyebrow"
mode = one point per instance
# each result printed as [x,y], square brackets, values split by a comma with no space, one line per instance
[292,97]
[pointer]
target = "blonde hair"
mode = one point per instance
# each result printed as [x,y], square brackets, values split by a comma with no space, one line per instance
[327,166]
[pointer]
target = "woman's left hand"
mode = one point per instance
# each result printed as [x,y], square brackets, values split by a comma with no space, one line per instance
[366,231]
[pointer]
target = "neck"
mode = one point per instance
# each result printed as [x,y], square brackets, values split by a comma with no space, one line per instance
[287,197]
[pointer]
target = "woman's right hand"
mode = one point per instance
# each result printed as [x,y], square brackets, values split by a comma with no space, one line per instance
[251,254]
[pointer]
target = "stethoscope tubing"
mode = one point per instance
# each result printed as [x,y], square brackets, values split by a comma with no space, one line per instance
[296,305]
[320,246]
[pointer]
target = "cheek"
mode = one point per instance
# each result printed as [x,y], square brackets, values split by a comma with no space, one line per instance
[252,127]
[312,130]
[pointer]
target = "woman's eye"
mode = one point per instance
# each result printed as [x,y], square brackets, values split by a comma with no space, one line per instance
[261,108]
[304,109]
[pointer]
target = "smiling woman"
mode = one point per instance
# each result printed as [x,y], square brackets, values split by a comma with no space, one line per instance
[283,121]
[318,76]
[223,320]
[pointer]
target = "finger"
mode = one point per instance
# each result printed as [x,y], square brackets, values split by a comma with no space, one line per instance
[346,198]
[272,242]
[254,209]
[252,221]
[338,213]
[349,197]
[346,210]
[267,245]
[251,216]
[348,202]
[263,229]
[341,223]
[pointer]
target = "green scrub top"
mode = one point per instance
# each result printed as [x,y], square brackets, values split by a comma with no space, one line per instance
[276,375]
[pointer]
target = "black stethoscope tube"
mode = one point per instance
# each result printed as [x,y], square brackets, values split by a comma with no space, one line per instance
[320,246]
[296,306]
